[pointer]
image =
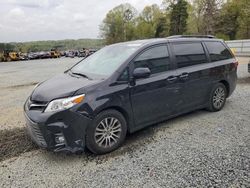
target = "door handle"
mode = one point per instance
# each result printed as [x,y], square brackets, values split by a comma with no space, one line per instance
[184,76]
[172,79]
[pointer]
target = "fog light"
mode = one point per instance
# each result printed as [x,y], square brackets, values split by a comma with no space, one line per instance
[59,138]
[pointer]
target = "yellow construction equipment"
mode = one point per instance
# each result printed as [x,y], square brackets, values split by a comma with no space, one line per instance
[55,53]
[9,56]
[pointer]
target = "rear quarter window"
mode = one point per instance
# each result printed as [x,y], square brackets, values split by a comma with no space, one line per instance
[217,51]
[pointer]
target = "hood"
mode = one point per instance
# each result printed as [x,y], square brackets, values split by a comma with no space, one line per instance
[63,85]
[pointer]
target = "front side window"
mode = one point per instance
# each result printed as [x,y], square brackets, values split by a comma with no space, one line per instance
[189,54]
[155,58]
[218,51]
[124,76]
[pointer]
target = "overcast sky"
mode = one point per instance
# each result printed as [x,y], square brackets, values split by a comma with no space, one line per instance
[31,20]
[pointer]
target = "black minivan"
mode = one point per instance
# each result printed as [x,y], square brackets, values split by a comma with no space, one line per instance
[125,87]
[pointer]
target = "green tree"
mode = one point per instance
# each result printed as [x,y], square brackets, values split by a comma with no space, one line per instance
[162,26]
[210,16]
[207,15]
[228,23]
[178,17]
[244,19]
[119,24]
[150,23]
[192,21]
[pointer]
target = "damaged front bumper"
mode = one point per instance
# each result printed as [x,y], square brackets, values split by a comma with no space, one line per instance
[60,131]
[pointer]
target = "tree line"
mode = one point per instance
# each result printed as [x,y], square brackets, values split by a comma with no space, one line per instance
[48,45]
[226,19]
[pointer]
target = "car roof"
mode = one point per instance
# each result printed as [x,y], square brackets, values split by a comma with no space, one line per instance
[145,42]
[141,42]
[191,39]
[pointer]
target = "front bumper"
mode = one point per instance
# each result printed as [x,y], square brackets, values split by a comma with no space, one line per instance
[44,129]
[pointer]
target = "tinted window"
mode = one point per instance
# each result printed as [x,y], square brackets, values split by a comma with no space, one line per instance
[218,51]
[156,59]
[189,54]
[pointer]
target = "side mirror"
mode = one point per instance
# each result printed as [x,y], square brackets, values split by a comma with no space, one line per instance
[141,73]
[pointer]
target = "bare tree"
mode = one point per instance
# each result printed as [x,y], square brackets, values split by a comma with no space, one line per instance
[207,13]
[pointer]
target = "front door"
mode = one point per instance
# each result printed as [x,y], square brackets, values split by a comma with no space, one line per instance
[156,97]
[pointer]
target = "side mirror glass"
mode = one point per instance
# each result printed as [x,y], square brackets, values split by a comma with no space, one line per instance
[141,73]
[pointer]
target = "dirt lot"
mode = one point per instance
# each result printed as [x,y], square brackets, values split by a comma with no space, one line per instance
[200,149]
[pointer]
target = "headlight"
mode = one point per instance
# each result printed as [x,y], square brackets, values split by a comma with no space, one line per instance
[63,104]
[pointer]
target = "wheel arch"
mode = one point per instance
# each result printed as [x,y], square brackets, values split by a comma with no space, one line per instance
[226,84]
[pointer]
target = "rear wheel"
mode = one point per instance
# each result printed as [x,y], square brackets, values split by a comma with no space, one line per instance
[107,133]
[217,97]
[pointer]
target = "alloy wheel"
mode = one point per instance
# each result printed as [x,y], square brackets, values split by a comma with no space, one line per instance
[219,97]
[108,132]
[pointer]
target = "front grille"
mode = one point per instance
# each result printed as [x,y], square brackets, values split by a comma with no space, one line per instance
[36,105]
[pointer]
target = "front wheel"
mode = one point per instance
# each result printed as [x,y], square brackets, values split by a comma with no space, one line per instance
[107,133]
[218,97]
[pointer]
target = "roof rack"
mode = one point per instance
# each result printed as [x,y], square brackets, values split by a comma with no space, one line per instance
[191,36]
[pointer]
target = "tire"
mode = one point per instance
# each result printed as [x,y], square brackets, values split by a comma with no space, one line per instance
[217,98]
[107,133]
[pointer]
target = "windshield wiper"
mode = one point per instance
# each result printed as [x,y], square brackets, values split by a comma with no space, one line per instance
[81,74]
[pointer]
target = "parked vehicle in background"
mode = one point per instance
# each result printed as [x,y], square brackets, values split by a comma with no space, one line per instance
[44,55]
[70,54]
[33,55]
[86,52]
[81,54]
[1,57]
[92,51]
[9,56]
[128,86]
[23,56]
[62,53]
[54,53]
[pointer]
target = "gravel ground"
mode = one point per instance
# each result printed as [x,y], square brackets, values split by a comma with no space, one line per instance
[200,149]
[14,142]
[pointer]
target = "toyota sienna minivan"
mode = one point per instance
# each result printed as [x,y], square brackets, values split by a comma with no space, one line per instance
[125,87]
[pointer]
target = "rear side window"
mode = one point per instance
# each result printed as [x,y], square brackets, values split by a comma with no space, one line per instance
[218,51]
[156,59]
[189,54]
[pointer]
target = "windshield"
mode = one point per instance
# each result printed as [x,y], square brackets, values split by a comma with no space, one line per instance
[106,61]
